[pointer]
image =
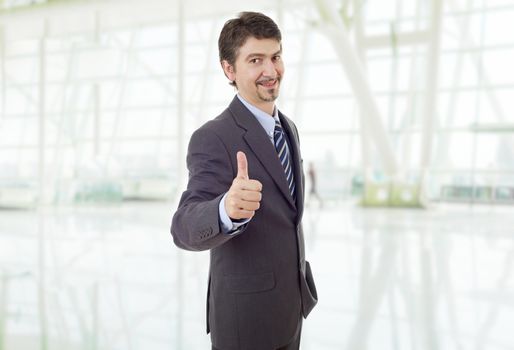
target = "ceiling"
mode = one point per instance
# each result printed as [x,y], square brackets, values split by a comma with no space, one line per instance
[62,17]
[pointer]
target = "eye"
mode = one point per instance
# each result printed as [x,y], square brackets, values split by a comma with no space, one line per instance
[255,60]
[277,58]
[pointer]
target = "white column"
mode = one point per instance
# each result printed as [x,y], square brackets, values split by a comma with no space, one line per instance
[2,72]
[96,94]
[432,69]
[42,197]
[181,141]
[3,307]
[336,32]
[42,193]
[181,165]
[360,47]
[96,120]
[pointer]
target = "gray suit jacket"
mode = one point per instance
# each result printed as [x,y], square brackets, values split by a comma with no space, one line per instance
[260,284]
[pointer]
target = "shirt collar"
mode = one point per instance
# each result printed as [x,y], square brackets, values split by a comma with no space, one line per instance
[262,117]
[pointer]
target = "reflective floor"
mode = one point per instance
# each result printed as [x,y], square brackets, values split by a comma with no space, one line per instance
[111,278]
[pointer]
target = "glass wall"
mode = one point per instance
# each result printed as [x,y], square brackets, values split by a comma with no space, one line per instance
[93,114]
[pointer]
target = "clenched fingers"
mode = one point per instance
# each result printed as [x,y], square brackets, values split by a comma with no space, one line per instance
[249,185]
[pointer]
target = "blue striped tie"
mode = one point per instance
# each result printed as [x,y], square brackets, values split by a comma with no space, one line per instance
[283,155]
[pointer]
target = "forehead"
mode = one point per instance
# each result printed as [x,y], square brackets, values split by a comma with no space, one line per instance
[254,46]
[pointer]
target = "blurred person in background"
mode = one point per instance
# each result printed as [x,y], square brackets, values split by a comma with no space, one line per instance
[313,192]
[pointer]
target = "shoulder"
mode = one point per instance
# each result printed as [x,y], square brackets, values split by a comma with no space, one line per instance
[221,128]
[221,122]
[286,118]
[291,125]
[289,121]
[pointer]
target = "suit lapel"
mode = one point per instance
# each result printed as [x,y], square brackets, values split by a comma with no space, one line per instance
[296,158]
[258,141]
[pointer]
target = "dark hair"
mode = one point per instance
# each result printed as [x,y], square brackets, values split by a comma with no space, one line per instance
[236,31]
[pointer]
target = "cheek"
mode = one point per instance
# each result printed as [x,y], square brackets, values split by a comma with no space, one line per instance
[253,77]
[280,68]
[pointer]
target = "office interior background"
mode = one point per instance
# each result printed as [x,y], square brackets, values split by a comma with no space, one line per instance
[406,116]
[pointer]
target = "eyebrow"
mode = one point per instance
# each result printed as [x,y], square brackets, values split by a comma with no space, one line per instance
[252,55]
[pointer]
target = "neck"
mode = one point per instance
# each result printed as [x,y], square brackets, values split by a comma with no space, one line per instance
[268,107]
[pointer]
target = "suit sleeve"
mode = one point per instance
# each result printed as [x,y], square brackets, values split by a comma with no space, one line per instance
[196,223]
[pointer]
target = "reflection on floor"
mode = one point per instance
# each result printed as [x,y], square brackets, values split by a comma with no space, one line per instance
[110,278]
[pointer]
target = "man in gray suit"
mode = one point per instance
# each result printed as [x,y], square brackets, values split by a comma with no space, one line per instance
[244,200]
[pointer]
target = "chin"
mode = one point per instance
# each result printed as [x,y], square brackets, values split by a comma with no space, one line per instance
[269,98]
[269,95]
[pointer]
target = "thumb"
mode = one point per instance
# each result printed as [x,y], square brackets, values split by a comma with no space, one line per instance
[242,166]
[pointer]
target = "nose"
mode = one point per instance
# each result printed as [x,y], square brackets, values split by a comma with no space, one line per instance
[269,69]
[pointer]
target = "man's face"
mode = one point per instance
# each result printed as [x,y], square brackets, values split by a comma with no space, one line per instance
[258,71]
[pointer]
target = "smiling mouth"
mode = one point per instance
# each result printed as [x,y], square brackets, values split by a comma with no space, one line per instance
[268,83]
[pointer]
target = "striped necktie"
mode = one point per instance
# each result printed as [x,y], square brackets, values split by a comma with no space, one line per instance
[283,155]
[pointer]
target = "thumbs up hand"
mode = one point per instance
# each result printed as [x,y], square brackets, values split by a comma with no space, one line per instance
[244,196]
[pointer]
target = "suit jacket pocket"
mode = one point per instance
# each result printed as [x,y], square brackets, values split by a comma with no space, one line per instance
[251,283]
[309,292]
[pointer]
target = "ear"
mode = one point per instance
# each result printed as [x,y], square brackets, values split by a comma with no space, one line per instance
[229,70]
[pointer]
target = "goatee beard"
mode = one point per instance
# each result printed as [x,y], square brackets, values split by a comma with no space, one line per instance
[272,97]
[271,94]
